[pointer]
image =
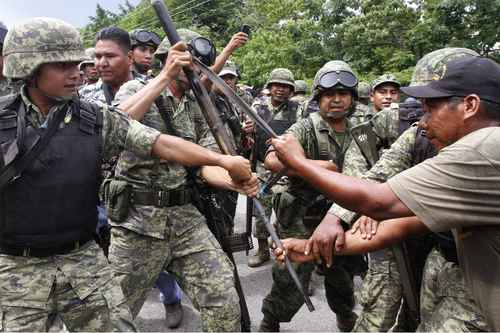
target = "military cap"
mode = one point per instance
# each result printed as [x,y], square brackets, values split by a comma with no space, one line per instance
[385,78]
[229,68]
[185,35]
[283,76]
[300,86]
[364,89]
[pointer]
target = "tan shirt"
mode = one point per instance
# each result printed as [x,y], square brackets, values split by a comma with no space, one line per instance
[459,189]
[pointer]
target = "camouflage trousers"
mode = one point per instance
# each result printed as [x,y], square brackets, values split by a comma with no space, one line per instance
[284,300]
[445,302]
[78,287]
[259,230]
[381,294]
[193,256]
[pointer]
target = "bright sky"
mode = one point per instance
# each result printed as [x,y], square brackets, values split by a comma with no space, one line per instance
[76,12]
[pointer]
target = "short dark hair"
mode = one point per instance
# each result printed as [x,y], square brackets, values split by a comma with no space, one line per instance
[491,110]
[117,35]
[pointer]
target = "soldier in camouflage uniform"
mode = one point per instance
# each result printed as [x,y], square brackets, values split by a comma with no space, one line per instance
[160,228]
[325,138]
[50,263]
[143,46]
[280,113]
[300,93]
[364,89]
[384,92]
[6,87]
[87,67]
[381,293]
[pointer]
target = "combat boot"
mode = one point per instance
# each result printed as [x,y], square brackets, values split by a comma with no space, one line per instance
[173,314]
[269,324]
[261,256]
[346,323]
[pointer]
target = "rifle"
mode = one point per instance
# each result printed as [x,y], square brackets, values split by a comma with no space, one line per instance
[218,130]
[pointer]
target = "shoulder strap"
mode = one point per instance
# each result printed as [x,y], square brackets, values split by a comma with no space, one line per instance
[166,112]
[14,170]
[321,139]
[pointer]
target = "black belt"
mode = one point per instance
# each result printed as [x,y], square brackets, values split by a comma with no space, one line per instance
[44,252]
[177,197]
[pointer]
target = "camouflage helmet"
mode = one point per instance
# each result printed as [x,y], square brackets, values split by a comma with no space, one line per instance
[364,89]
[38,41]
[283,76]
[333,66]
[230,68]
[89,57]
[300,86]
[431,66]
[185,35]
[385,78]
[3,32]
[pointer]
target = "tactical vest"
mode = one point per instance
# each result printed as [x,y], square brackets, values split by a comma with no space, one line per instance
[54,201]
[229,116]
[279,126]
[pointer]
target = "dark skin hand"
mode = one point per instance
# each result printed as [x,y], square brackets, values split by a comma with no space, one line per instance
[328,234]
[351,193]
[273,163]
[389,232]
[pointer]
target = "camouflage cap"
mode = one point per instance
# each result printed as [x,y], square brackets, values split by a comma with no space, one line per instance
[37,41]
[301,86]
[90,57]
[283,76]
[3,32]
[364,89]
[431,66]
[229,68]
[385,78]
[186,35]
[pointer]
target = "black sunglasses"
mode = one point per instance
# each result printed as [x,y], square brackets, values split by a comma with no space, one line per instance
[331,79]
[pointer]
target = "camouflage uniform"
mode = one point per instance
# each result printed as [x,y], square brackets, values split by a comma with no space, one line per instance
[78,286]
[382,291]
[176,238]
[291,206]
[7,87]
[300,92]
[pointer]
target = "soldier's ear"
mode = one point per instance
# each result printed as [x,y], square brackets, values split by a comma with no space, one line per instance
[130,57]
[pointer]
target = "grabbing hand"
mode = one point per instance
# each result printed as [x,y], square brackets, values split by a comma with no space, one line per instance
[366,226]
[248,126]
[294,249]
[178,58]
[238,168]
[329,235]
[288,150]
[250,187]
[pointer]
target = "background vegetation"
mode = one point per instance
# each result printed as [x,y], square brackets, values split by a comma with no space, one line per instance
[373,36]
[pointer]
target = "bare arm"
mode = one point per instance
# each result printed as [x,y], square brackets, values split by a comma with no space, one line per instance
[377,201]
[220,178]
[172,148]
[389,232]
[273,163]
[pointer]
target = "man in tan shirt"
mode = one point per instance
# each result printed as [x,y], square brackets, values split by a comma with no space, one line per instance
[458,189]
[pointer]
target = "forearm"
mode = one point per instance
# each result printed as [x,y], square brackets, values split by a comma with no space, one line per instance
[217,177]
[140,103]
[389,232]
[273,163]
[172,148]
[371,199]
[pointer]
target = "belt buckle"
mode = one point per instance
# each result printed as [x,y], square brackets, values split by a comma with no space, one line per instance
[160,198]
[26,252]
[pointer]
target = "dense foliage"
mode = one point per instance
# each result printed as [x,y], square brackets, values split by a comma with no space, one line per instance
[373,36]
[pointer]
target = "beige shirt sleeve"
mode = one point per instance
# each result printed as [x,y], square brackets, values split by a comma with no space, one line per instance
[460,187]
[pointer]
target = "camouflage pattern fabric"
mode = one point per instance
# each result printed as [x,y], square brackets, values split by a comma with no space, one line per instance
[284,300]
[78,286]
[176,238]
[385,78]
[26,46]
[300,98]
[191,253]
[446,304]
[281,75]
[7,87]
[93,93]
[279,113]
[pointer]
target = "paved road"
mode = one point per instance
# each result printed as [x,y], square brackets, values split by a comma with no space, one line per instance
[256,283]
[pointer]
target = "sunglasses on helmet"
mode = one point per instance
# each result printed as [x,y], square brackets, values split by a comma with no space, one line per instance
[332,79]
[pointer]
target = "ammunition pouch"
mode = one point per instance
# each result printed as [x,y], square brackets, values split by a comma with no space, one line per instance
[117,196]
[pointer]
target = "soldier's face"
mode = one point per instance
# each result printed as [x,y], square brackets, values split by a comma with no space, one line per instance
[142,56]
[58,79]
[91,72]
[280,92]
[334,101]
[112,63]
[384,95]
[442,121]
[230,80]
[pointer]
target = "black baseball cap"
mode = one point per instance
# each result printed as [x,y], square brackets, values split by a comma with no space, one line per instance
[462,77]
